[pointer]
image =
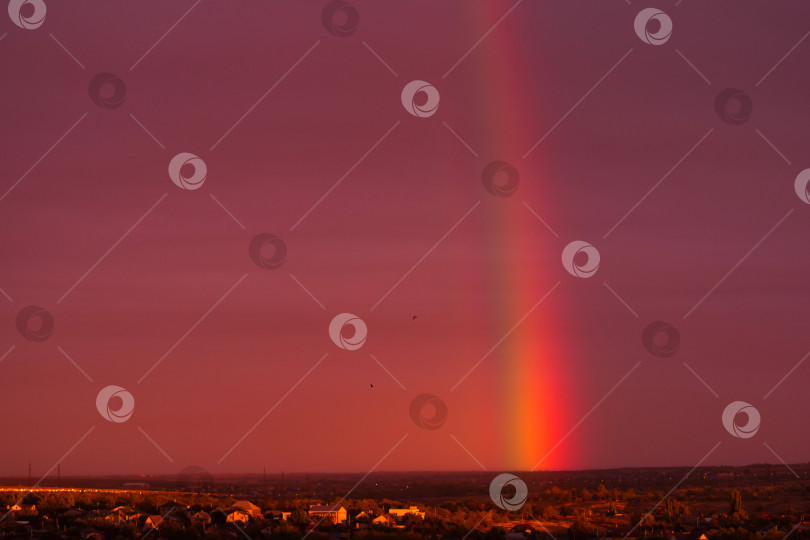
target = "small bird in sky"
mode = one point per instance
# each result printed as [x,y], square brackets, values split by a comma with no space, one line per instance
[371,385]
[414,318]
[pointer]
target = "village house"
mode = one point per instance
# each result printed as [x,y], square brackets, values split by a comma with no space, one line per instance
[336,513]
[200,518]
[384,520]
[236,515]
[247,507]
[152,522]
[402,512]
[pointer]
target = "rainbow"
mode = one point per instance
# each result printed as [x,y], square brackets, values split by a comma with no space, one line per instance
[531,384]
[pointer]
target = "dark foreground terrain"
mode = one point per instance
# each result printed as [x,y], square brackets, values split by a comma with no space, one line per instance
[744,503]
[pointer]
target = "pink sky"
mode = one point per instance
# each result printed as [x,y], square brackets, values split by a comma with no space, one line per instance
[592,168]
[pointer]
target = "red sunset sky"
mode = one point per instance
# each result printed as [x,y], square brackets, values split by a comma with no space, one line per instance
[613,116]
